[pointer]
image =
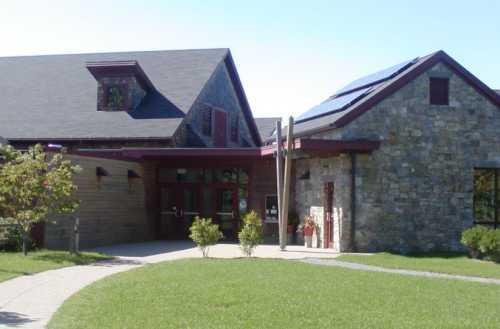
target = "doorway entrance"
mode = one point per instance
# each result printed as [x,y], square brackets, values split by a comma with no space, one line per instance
[328,215]
[179,207]
[217,193]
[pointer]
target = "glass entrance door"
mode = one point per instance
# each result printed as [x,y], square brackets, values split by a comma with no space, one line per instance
[226,207]
[179,207]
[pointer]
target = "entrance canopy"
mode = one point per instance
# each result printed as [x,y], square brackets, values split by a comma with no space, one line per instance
[315,147]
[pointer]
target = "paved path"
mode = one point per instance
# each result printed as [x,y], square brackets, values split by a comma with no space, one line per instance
[30,301]
[371,268]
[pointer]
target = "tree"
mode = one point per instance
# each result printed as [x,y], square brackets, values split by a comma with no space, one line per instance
[33,186]
[251,234]
[204,234]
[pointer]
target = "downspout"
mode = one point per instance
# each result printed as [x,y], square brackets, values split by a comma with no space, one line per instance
[353,202]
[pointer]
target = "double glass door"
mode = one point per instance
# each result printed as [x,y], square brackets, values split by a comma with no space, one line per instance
[180,204]
[179,207]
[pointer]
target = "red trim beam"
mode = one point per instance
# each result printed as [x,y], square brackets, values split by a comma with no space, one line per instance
[307,145]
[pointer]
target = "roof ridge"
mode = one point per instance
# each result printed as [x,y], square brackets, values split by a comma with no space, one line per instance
[115,52]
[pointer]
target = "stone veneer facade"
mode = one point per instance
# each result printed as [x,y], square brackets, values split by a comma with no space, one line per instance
[415,193]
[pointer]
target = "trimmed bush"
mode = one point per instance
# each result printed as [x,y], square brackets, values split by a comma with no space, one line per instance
[251,234]
[471,238]
[490,245]
[205,234]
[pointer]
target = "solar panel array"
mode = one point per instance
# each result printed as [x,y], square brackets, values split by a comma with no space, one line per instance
[354,91]
[376,77]
[333,105]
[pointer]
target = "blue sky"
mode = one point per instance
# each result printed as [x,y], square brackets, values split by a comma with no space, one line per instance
[291,55]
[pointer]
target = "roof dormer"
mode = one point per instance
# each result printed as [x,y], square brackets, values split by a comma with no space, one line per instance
[121,84]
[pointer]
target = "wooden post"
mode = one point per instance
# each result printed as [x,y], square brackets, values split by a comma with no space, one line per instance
[279,178]
[287,183]
[77,235]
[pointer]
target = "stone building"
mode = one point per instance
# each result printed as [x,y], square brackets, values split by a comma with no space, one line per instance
[404,159]
[434,173]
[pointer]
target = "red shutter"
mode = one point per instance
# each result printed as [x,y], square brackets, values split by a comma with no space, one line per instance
[220,131]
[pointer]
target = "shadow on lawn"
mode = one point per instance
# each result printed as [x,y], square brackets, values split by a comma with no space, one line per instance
[81,259]
[14,319]
[437,254]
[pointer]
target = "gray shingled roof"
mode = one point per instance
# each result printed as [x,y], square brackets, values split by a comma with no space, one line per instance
[55,96]
[266,126]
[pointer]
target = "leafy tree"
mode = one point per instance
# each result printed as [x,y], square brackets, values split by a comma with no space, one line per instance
[250,235]
[204,234]
[33,186]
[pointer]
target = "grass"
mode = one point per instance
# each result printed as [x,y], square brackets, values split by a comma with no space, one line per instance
[449,263]
[255,293]
[13,264]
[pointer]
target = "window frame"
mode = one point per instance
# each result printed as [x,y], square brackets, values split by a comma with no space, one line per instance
[234,128]
[439,91]
[496,201]
[123,87]
[207,121]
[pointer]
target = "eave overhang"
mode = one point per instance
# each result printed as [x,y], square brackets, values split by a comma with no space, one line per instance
[313,147]
[100,69]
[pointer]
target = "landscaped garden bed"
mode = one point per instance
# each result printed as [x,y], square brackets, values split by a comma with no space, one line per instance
[252,293]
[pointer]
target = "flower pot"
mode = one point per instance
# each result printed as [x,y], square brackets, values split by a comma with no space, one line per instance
[308,231]
[308,239]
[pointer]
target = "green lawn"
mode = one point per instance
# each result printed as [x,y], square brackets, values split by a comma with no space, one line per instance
[440,263]
[276,294]
[14,264]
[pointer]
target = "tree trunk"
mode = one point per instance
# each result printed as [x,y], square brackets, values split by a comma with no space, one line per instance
[25,243]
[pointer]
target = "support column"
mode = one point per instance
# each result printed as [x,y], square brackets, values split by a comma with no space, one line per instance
[279,178]
[287,183]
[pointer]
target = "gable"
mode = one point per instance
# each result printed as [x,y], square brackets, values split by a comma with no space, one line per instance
[222,92]
[55,96]
[385,89]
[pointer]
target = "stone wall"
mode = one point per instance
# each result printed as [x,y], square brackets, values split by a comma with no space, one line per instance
[112,209]
[309,194]
[416,191]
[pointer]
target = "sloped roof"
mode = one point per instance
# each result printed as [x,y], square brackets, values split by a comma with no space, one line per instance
[498,91]
[55,96]
[375,91]
[266,126]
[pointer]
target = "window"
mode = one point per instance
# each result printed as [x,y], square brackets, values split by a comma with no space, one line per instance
[486,197]
[206,125]
[271,208]
[115,97]
[439,91]
[234,128]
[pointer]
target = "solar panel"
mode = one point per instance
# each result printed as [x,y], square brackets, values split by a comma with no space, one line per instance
[376,77]
[333,105]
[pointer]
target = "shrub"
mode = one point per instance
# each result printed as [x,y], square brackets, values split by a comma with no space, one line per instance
[251,234]
[490,245]
[205,234]
[471,238]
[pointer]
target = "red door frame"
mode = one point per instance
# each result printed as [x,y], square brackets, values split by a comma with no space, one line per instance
[220,128]
[328,215]
[178,192]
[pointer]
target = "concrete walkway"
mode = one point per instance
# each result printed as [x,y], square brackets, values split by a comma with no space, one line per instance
[371,268]
[30,301]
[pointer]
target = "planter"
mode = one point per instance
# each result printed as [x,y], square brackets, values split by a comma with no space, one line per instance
[308,240]
[308,231]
